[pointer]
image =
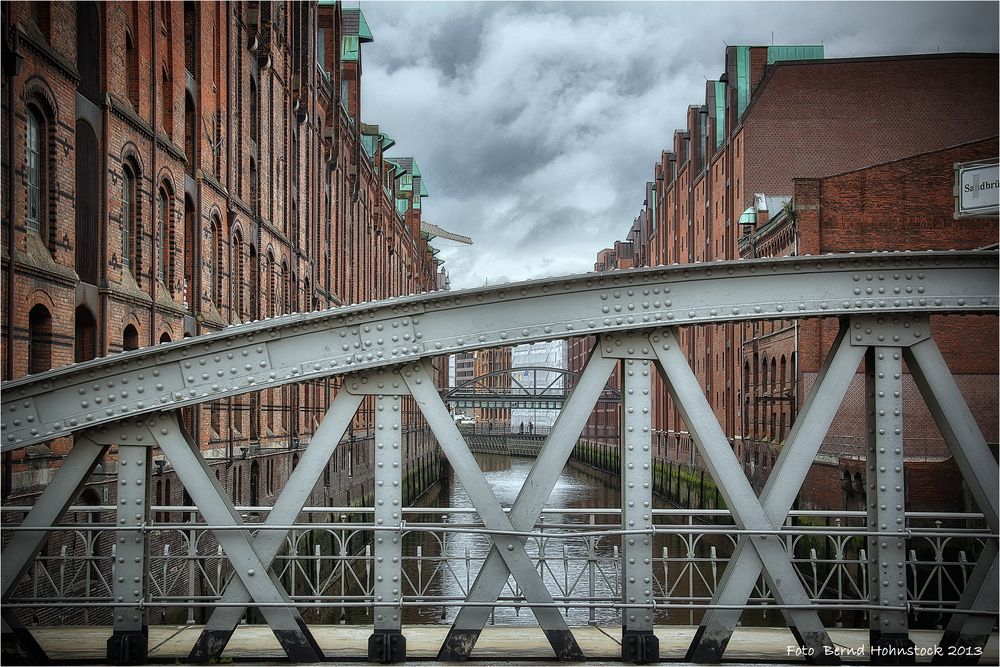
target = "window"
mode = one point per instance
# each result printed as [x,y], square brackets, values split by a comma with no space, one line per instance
[216,262]
[35,168]
[238,278]
[128,221]
[39,339]
[163,214]
[130,338]
[85,339]
[131,72]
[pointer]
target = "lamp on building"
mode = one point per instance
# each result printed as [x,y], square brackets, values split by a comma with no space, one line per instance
[160,465]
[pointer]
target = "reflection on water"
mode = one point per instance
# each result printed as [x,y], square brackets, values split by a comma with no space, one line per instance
[581,568]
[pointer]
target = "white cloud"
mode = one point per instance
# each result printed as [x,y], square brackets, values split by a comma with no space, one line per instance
[536,125]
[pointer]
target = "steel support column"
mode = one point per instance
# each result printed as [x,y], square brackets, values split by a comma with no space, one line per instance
[890,642]
[639,644]
[387,644]
[129,641]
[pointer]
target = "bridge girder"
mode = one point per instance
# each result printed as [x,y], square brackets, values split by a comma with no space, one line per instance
[294,348]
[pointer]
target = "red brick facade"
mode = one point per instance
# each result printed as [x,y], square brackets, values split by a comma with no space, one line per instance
[783,129]
[173,168]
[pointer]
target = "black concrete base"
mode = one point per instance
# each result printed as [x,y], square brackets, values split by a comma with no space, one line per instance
[458,645]
[129,648]
[703,651]
[893,649]
[387,646]
[564,644]
[640,647]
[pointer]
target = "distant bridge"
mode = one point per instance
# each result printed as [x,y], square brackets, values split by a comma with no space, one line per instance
[520,387]
[130,401]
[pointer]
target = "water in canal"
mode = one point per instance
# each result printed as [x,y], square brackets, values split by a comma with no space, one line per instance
[580,568]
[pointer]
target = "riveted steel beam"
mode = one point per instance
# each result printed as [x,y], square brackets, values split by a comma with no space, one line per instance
[683,387]
[885,505]
[511,548]
[779,494]
[528,505]
[314,458]
[639,644]
[129,641]
[387,643]
[238,545]
[295,348]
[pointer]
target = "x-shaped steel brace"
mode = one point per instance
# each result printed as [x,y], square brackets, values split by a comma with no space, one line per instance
[20,552]
[508,554]
[266,544]
[978,467]
[756,553]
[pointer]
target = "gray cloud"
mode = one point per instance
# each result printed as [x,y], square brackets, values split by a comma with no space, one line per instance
[536,125]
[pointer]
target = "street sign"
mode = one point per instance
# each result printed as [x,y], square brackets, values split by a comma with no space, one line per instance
[977,189]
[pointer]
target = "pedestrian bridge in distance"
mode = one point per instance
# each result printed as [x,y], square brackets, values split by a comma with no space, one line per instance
[522,387]
[876,573]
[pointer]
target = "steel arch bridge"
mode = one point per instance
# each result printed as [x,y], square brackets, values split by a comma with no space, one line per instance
[383,349]
[548,394]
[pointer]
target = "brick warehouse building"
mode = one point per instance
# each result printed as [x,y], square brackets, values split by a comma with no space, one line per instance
[173,168]
[777,117]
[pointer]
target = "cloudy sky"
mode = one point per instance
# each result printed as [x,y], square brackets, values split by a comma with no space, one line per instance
[537,124]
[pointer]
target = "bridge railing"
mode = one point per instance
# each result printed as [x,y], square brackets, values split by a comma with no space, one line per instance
[327,564]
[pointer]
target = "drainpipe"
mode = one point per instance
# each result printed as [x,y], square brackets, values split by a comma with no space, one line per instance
[155,32]
[229,198]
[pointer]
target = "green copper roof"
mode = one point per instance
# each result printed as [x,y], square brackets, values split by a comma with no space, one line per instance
[720,112]
[776,53]
[402,206]
[368,141]
[742,79]
[748,217]
[387,142]
[364,32]
[349,48]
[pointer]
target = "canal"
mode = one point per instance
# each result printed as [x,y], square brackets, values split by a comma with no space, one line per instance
[444,564]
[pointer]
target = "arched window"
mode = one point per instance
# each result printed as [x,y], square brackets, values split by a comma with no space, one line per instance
[190,237]
[783,378]
[210,266]
[85,338]
[131,71]
[164,337]
[215,262]
[272,286]
[39,339]
[130,239]
[774,373]
[36,168]
[763,373]
[130,338]
[162,227]
[285,286]
[239,276]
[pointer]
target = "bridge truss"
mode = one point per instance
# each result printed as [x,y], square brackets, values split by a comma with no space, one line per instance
[521,387]
[130,402]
